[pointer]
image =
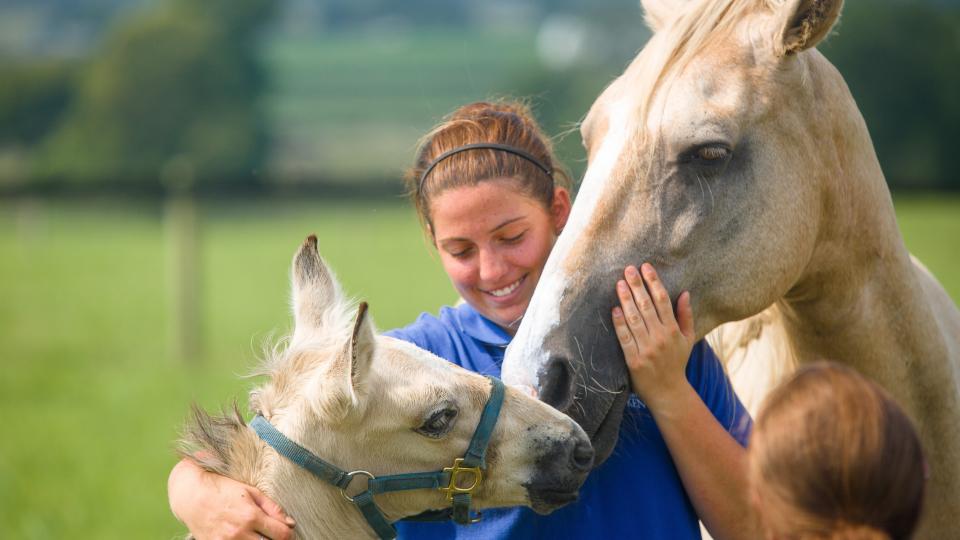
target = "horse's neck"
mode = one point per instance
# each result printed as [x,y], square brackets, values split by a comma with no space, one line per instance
[860,298]
[320,510]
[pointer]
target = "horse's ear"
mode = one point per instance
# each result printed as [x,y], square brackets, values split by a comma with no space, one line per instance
[342,385]
[359,352]
[315,290]
[801,24]
[659,13]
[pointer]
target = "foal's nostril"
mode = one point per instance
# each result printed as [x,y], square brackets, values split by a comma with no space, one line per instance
[582,456]
[556,384]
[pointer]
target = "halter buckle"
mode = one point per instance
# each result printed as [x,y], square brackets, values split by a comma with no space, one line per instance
[456,474]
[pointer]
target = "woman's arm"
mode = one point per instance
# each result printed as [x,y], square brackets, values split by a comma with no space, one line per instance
[657,346]
[214,506]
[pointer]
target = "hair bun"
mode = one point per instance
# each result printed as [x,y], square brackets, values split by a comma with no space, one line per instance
[483,109]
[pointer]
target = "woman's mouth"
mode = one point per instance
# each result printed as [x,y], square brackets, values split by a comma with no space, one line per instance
[505,292]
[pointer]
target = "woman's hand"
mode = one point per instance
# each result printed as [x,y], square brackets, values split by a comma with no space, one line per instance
[656,344]
[214,506]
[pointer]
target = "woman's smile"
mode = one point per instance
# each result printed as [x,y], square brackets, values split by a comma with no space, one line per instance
[504,294]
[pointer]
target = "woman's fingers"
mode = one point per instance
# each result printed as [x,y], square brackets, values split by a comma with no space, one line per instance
[270,507]
[272,523]
[685,316]
[642,298]
[661,298]
[631,310]
[627,340]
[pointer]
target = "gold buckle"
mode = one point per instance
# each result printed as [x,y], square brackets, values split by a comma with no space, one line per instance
[455,474]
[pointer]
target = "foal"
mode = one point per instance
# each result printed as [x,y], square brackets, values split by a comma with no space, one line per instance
[363,402]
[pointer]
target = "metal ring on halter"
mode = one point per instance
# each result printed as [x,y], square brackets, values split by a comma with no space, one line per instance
[350,475]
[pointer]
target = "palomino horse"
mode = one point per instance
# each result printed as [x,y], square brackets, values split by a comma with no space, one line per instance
[731,155]
[362,402]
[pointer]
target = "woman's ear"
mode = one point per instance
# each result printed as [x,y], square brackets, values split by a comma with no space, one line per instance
[560,208]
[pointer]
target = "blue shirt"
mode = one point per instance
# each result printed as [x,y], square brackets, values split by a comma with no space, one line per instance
[636,492]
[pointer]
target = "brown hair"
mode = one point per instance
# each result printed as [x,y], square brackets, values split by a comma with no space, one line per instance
[832,456]
[502,122]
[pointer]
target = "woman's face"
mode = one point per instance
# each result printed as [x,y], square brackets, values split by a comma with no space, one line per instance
[493,241]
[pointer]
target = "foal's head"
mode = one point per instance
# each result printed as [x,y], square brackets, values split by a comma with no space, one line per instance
[366,402]
[709,158]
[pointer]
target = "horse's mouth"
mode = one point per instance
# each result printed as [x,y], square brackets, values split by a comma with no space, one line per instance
[604,438]
[544,500]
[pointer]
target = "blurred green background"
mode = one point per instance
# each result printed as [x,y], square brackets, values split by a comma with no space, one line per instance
[133,132]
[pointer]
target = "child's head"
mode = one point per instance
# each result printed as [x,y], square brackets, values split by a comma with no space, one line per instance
[833,456]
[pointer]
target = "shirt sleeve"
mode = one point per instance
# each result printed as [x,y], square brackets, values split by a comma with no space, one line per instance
[708,377]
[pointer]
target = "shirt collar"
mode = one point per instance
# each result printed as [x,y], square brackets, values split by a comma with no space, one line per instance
[480,328]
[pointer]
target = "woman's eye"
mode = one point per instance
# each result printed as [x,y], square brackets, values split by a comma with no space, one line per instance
[439,423]
[514,239]
[460,254]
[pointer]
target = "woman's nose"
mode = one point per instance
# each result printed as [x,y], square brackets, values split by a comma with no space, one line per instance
[492,267]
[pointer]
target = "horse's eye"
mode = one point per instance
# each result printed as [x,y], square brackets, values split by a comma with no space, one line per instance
[707,155]
[438,423]
[713,153]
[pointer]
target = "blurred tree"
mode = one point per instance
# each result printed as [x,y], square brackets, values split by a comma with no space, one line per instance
[901,60]
[173,91]
[33,97]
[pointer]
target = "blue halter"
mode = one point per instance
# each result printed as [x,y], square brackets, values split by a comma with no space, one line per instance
[459,481]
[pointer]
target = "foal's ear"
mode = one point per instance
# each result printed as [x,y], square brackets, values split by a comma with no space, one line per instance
[315,290]
[359,351]
[660,13]
[801,24]
[342,386]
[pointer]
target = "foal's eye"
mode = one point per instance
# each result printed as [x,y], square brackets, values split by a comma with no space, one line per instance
[438,423]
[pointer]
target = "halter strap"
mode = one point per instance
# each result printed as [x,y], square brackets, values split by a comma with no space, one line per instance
[449,479]
[510,149]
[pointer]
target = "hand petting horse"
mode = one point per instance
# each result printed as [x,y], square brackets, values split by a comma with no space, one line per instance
[731,155]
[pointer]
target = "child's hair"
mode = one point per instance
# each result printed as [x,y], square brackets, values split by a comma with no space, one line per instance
[507,123]
[832,456]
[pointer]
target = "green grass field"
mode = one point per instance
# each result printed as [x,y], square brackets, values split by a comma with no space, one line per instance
[90,395]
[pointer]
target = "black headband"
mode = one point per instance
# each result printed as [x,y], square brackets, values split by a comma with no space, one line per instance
[494,146]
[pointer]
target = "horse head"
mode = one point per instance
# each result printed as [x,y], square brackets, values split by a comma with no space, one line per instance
[708,157]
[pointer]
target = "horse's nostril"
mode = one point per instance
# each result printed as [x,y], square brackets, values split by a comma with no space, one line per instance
[556,384]
[583,456]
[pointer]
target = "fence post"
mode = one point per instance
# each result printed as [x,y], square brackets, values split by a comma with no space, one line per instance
[181,217]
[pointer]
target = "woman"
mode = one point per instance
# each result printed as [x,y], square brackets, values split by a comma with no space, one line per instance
[493,199]
[834,457]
